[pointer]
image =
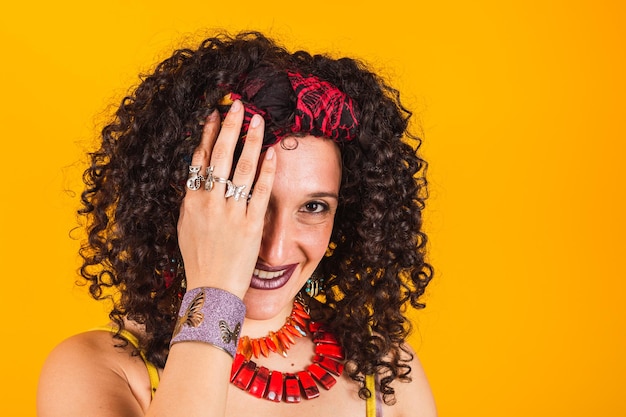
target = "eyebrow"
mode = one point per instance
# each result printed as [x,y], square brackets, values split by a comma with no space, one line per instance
[322,194]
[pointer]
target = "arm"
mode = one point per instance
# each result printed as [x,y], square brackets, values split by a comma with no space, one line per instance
[414,398]
[87,375]
[219,239]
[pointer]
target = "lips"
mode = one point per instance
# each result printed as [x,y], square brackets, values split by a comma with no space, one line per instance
[271,278]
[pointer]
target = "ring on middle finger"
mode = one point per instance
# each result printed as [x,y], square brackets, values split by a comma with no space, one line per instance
[212,179]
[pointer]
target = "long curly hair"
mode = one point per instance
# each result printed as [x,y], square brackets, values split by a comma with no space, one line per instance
[375,264]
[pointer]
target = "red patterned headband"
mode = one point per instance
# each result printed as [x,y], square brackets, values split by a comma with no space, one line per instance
[321,110]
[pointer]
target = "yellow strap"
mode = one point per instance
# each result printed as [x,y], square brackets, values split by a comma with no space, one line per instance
[370,384]
[153,373]
[370,403]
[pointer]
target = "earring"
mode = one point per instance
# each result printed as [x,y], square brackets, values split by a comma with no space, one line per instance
[314,285]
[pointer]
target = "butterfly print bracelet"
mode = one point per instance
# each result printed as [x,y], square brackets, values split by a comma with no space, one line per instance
[212,316]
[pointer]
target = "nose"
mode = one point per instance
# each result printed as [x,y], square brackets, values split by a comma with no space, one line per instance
[275,240]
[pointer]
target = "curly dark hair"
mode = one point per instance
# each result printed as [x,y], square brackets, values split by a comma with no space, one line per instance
[375,265]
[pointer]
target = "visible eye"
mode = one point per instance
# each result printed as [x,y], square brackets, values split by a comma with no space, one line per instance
[315,207]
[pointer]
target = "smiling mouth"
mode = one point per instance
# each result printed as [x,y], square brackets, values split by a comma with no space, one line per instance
[268,274]
[271,278]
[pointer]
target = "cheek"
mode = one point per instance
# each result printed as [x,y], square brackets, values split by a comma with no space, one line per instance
[316,242]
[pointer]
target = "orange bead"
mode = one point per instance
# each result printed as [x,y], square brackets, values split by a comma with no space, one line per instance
[280,348]
[270,342]
[301,313]
[265,351]
[256,348]
[287,335]
[245,347]
[283,340]
[292,330]
[297,319]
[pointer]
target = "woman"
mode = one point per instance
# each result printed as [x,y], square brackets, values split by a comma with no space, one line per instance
[255,217]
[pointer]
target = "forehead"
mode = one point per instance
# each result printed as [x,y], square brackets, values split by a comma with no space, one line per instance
[314,162]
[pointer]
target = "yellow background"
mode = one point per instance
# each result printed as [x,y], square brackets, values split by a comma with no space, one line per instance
[522,109]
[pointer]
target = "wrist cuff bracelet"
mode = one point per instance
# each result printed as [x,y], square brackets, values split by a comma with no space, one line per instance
[212,316]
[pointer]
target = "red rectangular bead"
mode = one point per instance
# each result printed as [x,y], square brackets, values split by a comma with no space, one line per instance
[314,326]
[329,364]
[332,351]
[245,375]
[259,383]
[237,363]
[321,375]
[292,389]
[309,388]
[325,337]
[275,387]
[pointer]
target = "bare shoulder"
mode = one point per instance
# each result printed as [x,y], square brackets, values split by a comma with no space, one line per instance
[93,374]
[414,398]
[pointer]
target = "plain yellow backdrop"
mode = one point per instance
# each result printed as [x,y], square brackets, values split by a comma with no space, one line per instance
[521,105]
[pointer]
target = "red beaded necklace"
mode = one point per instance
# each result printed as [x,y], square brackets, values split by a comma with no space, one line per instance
[279,341]
[288,387]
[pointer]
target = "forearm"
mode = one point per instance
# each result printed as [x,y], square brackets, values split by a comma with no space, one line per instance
[194,382]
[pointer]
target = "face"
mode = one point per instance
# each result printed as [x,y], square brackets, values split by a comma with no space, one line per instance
[298,225]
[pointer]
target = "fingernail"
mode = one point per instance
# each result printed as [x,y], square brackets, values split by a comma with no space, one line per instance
[269,154]
[236,106]
[214,116]
[256,121]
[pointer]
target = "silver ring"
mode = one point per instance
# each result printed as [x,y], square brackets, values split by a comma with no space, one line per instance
[212,179]
[194,180]
[234,191]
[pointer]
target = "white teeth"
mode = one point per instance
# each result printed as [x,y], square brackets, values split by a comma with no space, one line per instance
[268,274]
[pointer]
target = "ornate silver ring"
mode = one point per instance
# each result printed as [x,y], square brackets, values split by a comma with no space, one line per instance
[235,191]
[194,180]
[212,179]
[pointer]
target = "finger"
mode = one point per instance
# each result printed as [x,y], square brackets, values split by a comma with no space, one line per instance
[209,134]
[246,169]
[263,187]
[224,147]
[200,157]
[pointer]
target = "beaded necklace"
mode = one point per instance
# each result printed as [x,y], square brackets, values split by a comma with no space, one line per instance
[279,341]
[277,386]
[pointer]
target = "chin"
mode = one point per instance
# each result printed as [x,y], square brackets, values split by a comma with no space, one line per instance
[265,305]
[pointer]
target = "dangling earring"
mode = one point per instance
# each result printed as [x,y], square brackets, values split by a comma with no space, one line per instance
[314,285]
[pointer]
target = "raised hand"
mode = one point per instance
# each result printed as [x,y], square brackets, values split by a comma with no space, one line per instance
[220,228]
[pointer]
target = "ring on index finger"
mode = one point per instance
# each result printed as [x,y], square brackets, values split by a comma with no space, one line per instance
[194,180]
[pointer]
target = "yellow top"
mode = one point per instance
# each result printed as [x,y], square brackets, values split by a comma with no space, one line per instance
[153,374]
[370,403]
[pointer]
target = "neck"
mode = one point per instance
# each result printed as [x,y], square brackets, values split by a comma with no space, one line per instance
[254,327]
